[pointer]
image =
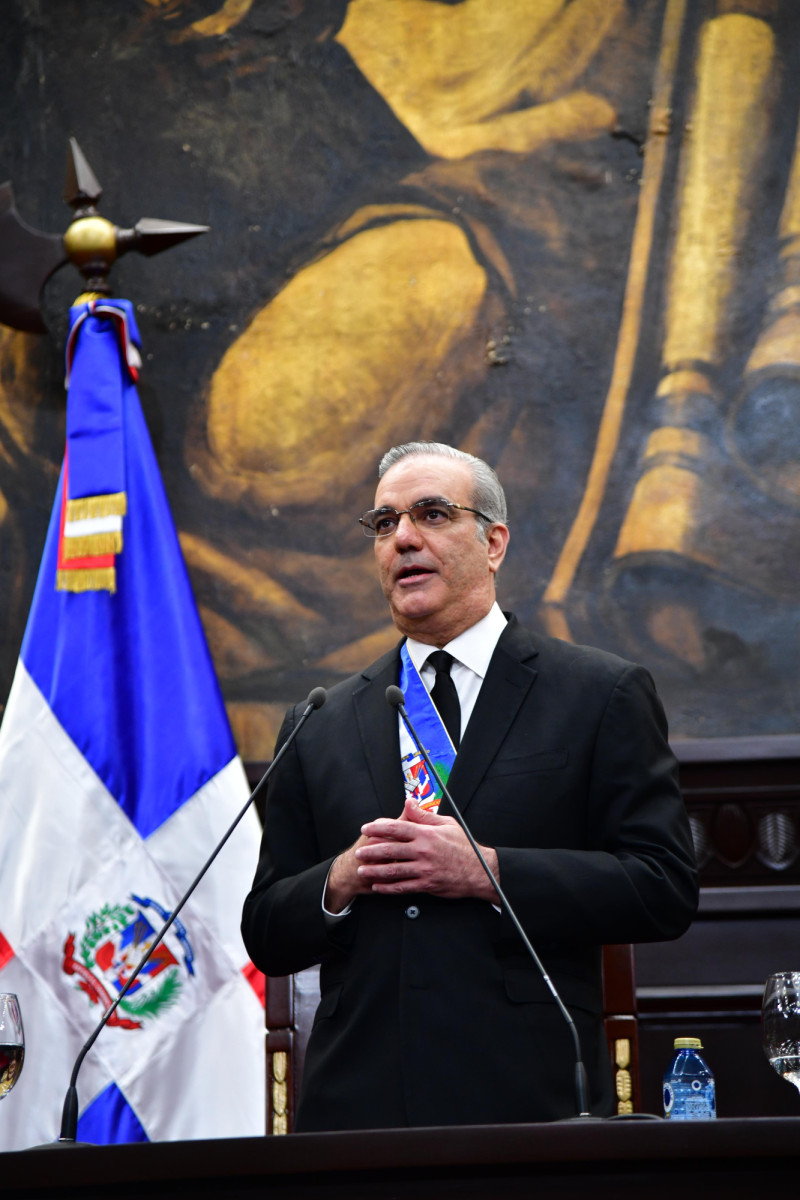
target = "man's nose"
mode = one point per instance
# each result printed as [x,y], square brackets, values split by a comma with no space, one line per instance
[407,532]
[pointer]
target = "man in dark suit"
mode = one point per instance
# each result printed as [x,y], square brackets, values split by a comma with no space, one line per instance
[431,1011]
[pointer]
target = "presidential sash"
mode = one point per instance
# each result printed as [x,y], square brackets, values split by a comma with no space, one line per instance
[425,718]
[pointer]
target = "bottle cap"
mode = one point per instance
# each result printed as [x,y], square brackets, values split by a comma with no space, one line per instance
[688,1044]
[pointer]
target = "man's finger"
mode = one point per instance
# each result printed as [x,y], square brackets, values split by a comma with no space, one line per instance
[392,874]
[421,816]
[383,852]
[385,829]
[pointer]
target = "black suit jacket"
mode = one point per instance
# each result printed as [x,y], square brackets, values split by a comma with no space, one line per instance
[431,1010]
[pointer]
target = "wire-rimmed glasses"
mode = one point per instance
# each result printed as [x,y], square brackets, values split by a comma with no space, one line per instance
[429,514]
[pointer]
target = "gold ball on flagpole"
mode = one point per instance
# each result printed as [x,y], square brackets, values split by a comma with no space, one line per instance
[89,239]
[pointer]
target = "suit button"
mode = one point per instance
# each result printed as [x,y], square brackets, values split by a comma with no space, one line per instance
[412,912]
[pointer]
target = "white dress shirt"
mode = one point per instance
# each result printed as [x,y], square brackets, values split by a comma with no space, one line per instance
[472,651]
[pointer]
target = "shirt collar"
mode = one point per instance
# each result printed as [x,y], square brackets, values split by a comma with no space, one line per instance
[474,647]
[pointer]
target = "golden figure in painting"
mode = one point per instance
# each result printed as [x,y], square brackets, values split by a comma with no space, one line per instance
[405,307]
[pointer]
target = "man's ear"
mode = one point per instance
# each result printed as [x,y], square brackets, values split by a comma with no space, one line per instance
[497,538]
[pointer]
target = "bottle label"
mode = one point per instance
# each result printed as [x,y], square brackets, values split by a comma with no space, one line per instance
[693,1103]
[696,1107]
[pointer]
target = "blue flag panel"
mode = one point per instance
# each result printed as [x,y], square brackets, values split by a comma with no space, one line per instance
[128,674]
[109,1118]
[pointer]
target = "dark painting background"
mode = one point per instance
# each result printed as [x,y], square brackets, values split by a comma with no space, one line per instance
[447,257]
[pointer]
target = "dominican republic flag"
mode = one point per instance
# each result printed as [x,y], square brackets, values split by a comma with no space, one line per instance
[118,775]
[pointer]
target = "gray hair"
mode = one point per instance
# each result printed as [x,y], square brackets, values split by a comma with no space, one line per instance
[487,490]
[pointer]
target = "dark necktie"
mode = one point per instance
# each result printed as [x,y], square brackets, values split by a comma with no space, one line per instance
[444,694]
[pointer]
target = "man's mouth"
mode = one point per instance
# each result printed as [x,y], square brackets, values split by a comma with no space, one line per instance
[412,572]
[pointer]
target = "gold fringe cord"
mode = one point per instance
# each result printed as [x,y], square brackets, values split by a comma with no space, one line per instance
[91,579]
[92,545]
[114,505]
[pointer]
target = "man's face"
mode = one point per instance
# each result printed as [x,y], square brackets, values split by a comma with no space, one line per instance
[438,582]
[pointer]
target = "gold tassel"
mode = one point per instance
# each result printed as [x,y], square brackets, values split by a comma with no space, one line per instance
[114,505]
[85,297]
[92,545]
[90,579]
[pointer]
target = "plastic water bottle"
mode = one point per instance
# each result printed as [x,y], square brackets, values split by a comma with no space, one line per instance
[689,1085]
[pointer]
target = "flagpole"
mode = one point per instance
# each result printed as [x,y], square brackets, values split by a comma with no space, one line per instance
[63,630]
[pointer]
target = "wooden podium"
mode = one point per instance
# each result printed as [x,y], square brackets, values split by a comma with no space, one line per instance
[626,1159]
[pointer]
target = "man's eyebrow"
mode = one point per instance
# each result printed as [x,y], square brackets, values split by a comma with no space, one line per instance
[389,508]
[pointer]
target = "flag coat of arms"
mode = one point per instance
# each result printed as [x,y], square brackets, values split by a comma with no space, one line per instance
[118,775]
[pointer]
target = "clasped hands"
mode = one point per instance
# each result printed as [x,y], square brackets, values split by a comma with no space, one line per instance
[416,852]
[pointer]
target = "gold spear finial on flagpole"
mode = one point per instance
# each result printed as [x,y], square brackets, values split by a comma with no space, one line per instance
[92,243]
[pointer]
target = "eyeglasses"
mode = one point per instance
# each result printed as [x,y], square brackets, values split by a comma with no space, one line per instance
[429,514]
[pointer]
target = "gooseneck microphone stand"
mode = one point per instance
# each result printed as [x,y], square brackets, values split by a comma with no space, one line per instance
[69,1116]
[396,699]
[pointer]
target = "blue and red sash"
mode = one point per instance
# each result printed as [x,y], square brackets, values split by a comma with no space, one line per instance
[429,726]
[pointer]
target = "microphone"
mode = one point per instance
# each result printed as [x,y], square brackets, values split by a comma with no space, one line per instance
[396,699]
[69,1116]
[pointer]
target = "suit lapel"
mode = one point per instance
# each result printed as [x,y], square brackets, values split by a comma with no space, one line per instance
[508,681]
[378,729]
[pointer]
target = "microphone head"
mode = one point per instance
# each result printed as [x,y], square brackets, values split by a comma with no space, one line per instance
[316,697]
[394,696]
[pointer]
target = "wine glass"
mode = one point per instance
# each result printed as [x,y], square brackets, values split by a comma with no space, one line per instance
[12,1042]
[780,1024]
